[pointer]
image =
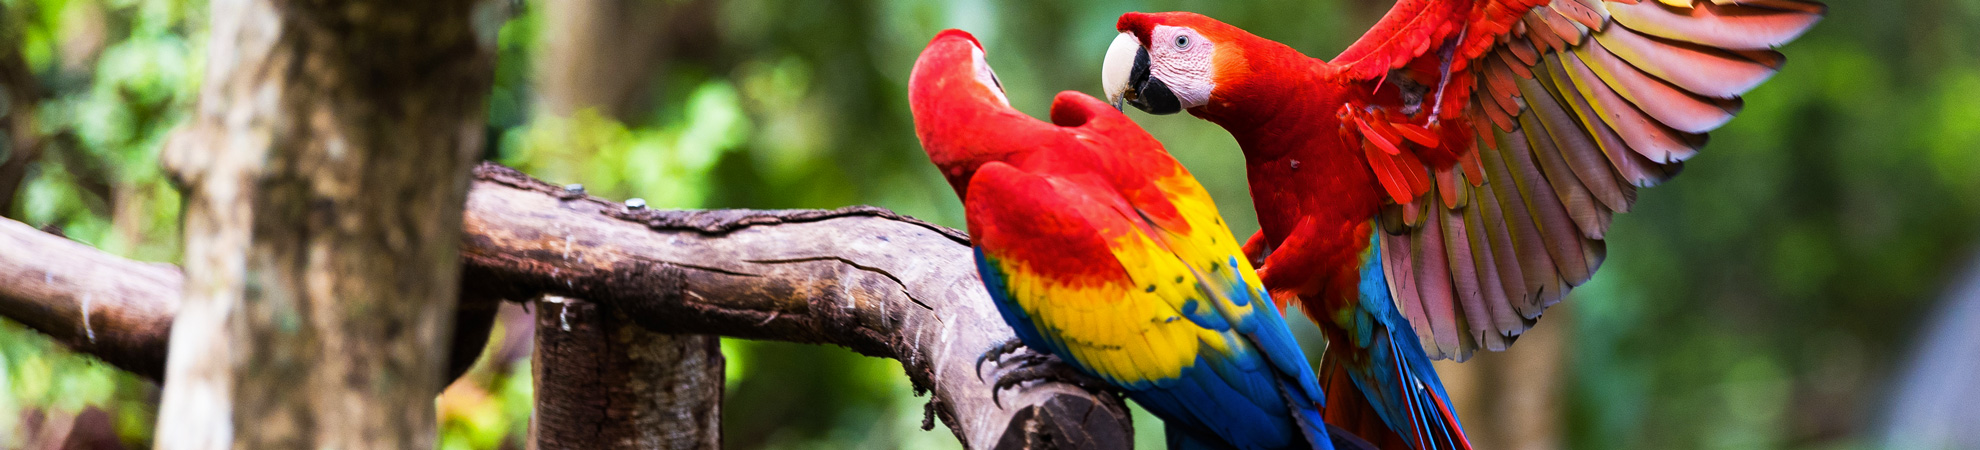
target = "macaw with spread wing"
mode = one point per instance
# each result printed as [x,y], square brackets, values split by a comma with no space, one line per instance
[1452,173]
[1100,249]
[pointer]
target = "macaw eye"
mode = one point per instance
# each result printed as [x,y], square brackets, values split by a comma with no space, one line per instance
[1182,42]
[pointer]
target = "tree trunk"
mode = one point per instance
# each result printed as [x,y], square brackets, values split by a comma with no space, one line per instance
[322,171]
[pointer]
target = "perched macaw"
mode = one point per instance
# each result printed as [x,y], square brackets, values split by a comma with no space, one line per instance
[1099,248]
[1380,212]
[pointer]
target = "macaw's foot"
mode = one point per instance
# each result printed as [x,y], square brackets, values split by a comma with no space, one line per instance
[1028,365]
[996,354]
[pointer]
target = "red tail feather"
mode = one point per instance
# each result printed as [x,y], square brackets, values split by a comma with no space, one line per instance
[1348,410]
[1450,418]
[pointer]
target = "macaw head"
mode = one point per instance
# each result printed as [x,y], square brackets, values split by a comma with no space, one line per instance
[959,106]
[964,119]
[1164,63]
[952,70]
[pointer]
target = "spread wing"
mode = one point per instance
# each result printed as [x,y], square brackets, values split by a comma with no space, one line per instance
[1172,315]
[1574,103]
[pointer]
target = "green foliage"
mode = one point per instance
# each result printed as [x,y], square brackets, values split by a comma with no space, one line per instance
[117,76]
[668,163]
[490,405]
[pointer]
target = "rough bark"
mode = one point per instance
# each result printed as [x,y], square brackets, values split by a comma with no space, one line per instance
[863,278]
[121,311]
[604,382]
[329,150]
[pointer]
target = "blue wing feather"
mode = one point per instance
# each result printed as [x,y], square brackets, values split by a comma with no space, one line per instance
[1231,372]
[1401,382]
[1233,395]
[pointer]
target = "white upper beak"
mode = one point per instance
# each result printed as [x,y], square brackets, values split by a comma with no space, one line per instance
[1114,71]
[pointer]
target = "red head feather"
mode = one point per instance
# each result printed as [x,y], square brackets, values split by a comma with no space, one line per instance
[960,112]
[1241,57]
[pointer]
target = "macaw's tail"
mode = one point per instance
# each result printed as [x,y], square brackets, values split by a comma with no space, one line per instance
[1347,440]
[1338,438]
[1348,411]
[1418,414]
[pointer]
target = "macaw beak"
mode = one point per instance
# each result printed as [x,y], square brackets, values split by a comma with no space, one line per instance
[1124,75]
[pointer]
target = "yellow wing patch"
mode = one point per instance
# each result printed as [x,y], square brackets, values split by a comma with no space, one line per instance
[1173,304]
[1208,245]
[1125,333]
[1139,332]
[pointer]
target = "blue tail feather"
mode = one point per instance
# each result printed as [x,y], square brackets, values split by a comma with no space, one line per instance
[1400,381]
[1203,405]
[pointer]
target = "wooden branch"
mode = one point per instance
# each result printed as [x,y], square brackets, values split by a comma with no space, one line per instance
[121,311]
[94,302]
[864,278]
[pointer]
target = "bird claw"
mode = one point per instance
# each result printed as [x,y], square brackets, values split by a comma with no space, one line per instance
[997,354]
[1026,364]
[1046,368]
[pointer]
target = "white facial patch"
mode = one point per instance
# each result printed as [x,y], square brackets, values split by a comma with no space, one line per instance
[1181,58]
[987,77]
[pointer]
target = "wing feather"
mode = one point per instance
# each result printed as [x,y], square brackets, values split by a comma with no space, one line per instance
[1434,281]
[1577,103]
[1465,279]
[1505,256]
[1720,24]
[1648,137]
[1402,281]
[1542,278]
[1498,302]
[1099,311]
[1550,214]
[1631,166]
[1588,216]
[1699,69]
[1576,148]
[1674,107]
[1163,307]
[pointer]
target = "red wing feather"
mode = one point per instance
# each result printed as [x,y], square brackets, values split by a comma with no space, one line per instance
[1576,104]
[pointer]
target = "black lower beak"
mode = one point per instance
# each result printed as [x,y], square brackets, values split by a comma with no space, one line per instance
[1148,93]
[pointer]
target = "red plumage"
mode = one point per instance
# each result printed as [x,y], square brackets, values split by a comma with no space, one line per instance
[1577,104]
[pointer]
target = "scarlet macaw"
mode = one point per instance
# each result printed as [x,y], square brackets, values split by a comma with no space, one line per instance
[1099,248]
[1379,211]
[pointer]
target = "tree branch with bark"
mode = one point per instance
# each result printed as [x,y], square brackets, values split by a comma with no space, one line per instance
[864,278]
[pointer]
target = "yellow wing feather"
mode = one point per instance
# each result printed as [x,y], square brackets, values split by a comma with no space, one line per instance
[1124,330]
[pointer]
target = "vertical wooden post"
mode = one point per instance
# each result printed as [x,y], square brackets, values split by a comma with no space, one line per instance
[604,382]
[324,172]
